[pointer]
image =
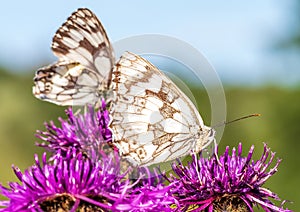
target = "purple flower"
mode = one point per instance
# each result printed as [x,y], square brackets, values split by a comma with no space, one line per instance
[225,183]
[67,183]
[87,132]
[75,182]
[148,193]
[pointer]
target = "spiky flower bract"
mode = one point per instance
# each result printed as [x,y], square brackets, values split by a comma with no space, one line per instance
[226,183]
[85,132]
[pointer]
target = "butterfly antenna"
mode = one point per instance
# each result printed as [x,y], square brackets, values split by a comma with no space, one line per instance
[238,119]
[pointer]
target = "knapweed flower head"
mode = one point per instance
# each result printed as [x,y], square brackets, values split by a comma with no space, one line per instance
[86,132]
[66,183]
[149,193]
[74,182]
[151,187]
[226,182]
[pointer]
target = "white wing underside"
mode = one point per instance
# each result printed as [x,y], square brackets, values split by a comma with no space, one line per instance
[66,83]
[83,72]
[154,121]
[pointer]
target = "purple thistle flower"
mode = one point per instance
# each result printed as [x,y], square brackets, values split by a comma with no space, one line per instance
[87,132]
[74,182]
[148,193]
[225,183]
[67,183]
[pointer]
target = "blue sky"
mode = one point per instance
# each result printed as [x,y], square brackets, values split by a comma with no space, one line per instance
[236,37]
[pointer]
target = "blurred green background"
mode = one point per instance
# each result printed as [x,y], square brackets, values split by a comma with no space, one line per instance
[277,99]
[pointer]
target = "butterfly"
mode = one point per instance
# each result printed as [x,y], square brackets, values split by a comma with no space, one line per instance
[84,69]
[153,120]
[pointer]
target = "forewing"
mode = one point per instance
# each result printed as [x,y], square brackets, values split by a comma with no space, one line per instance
[83,39]
[65,83]
[153,119]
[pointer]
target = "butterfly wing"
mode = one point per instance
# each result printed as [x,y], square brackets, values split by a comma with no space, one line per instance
[154,121]
[81,41]
[66,83]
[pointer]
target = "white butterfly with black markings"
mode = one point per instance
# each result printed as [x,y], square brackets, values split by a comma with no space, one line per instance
[83,73]
[153,120]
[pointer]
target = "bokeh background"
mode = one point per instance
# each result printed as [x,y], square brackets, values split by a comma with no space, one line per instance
[254,47]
